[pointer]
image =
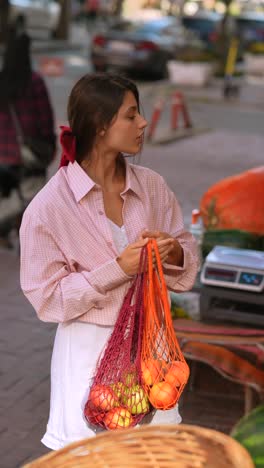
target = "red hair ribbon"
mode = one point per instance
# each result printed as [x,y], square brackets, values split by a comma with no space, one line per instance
[68,143]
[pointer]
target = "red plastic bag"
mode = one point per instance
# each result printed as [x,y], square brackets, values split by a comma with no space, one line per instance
[164,369]
[117,399]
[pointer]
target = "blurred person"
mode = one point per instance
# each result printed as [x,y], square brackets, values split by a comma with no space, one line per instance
[81,239]
[24,103]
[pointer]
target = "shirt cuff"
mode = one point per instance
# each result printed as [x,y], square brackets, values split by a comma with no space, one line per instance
[176,268]
[108,276]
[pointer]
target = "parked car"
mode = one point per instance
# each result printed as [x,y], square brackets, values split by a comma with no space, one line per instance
[140,46]
[250,29]
[206,24]
[41,16]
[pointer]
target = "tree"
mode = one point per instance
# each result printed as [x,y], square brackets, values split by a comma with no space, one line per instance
[224,38]
[62,30]
[4,19]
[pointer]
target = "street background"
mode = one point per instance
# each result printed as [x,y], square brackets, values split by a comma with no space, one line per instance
[232,141]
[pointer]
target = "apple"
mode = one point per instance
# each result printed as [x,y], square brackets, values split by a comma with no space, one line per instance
[178,373]
[118,418]
[163,395]
[93,415]
[151,371]
[136,400]
[119,389]
[102,397]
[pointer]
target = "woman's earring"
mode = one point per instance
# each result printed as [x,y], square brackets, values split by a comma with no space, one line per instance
[102,132]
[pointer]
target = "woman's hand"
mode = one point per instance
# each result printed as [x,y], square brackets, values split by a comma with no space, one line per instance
[129,259]
[169,248]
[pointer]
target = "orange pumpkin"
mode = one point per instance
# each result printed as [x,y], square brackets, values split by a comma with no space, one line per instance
[236,202]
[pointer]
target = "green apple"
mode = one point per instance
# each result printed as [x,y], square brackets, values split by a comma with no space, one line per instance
[136,400]
[119,389]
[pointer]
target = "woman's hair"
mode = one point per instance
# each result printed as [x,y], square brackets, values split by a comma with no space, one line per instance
[16,71]
[93,103]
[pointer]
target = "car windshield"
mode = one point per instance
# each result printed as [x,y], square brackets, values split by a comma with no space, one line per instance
[143,27]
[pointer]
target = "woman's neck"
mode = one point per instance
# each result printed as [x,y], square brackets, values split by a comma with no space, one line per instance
[105,171]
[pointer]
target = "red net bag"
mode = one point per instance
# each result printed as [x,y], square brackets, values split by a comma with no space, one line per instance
[117,399]
[164,369]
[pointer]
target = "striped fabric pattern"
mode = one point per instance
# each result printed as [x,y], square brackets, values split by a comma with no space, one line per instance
[69,269]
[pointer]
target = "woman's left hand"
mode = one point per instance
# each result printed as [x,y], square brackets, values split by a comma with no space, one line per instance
[172,252]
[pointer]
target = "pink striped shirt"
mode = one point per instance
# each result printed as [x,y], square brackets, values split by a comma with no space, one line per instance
[69,269]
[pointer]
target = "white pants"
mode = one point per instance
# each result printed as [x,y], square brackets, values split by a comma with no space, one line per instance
[77,348]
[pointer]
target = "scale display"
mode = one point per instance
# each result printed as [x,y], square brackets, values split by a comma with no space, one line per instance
[234,268]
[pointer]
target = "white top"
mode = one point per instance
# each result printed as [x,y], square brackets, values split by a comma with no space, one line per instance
[119,236]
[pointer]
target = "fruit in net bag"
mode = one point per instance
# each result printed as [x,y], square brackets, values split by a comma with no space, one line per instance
[152,371]
[136,400]
[103,397]
[177,374]
[163,395]
[118,418]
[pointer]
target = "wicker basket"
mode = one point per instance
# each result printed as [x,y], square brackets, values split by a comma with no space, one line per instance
[163,446]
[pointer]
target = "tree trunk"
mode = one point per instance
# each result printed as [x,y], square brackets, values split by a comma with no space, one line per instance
[4,19]
[224,40]
[118,6]
[62,30]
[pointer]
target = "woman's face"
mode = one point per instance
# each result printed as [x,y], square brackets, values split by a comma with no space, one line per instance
[125,134]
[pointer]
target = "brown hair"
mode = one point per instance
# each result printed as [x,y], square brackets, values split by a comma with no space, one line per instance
[94,101]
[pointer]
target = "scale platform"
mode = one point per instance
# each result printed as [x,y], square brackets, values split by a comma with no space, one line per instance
[235,268]
[233,286]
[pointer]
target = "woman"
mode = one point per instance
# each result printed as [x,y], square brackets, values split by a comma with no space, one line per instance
[23,93]
[81,239]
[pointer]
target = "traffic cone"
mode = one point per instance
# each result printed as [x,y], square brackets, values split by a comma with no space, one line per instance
[178,106]
[51,66]
[158,108]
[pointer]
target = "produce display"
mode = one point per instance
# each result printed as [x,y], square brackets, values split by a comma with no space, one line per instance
[236,202]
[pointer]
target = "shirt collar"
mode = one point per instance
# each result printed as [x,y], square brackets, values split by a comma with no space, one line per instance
[81,184]
[132,182]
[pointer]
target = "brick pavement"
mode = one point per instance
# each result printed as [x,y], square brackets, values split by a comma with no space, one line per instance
[26,343]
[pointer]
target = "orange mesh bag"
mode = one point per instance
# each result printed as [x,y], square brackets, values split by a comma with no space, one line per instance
[164,371]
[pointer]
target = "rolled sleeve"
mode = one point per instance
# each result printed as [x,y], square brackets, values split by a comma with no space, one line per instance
[57,293]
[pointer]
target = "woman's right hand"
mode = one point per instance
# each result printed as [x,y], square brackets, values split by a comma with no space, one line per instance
[129,259]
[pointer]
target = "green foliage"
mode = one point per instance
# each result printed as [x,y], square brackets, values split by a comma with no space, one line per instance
[231,238]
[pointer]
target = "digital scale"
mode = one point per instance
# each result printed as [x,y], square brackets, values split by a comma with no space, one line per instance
[234,268]
[232,288]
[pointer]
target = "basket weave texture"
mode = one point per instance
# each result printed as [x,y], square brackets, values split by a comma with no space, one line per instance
[161,446]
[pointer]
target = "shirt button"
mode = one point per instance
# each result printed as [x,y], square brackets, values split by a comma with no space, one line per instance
[100,212]
[110,244]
